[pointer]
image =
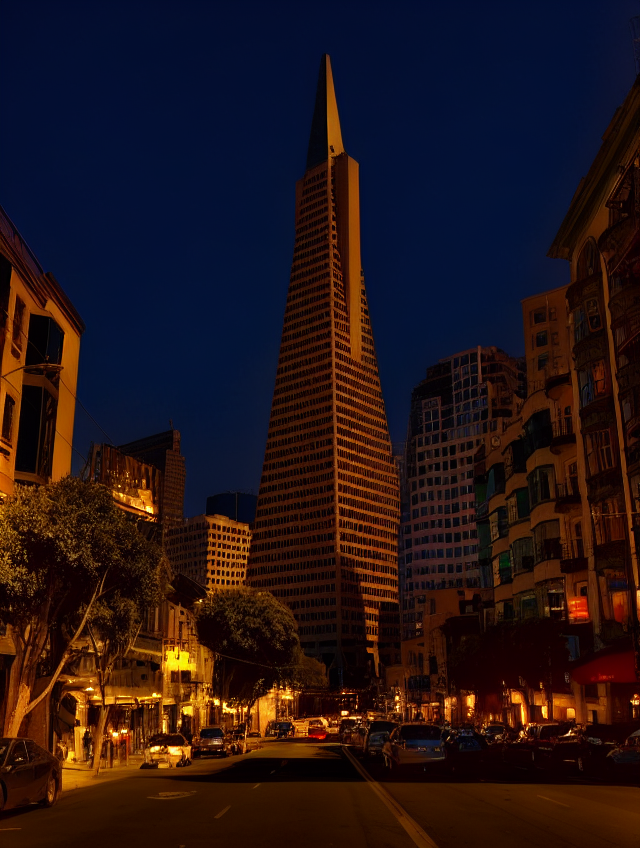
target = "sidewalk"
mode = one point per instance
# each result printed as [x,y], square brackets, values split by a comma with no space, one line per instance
[81,775]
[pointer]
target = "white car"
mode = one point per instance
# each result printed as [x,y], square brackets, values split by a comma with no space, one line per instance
[414,744]
[167,750]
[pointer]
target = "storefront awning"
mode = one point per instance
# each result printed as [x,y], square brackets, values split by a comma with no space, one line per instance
[607,666]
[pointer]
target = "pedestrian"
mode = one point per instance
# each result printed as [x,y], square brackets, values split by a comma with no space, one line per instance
[86,745]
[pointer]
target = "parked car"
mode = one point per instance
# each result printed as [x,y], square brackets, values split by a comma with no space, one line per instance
[413,744]
[284,729]
[623,761]
[534,747]
[465,750]
[210,742]
[374,740]
[497,732]
[345,730]
[317,729]
[358,738]
[28,774]
[166,750]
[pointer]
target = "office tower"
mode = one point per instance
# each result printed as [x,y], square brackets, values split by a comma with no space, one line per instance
[210,549]
[325,537]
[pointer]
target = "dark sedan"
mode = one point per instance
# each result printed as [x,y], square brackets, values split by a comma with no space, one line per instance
[465,750]
[28,774]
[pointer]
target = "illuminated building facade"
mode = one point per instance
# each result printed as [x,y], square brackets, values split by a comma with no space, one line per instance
[39,350]
[163,452]
[600,238]
[212,550]
[462,403]
[135,485]
[325,537]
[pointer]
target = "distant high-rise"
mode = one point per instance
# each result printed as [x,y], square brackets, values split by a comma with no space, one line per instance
[240,506]
[163,451]
[325,537]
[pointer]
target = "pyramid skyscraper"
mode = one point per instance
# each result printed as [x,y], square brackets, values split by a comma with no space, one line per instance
[325,538]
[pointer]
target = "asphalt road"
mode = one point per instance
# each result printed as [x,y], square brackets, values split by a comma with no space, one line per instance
[307,794]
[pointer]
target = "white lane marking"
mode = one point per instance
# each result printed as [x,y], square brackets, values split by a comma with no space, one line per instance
[222,812]
[2,829]
[560,804]
[412,828]
[170,796]
[272,772]
[256,786]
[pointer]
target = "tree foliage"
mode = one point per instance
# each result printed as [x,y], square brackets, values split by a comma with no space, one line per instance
[255,639]
[68,555]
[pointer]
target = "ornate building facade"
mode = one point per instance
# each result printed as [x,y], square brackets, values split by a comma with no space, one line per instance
[325,537]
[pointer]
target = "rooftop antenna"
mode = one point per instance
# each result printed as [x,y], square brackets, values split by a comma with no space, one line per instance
[635,37]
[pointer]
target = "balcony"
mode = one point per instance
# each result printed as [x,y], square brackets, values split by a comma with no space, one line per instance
[573,558]
[555,378]
[567,494]
[562,434]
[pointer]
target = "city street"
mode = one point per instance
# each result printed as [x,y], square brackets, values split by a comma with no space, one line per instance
[302,793]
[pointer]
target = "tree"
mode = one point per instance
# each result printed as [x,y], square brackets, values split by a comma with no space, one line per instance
[307,673]
[64,548]
[116,616]
[254,638]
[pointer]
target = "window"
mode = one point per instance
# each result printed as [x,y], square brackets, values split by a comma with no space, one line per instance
[498,523]
[18,320]
[538,316]
[542,339]
[522,555]
[580,326]
[593,314]
[7,418]
[600,454]
[588,261]
[546,541]
[528,607]
[540,483]
[543,361]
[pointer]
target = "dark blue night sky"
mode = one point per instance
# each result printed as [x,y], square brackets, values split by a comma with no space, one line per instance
[149,153]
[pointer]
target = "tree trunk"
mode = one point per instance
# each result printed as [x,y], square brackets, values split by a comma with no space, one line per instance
[98,738]
[20,703]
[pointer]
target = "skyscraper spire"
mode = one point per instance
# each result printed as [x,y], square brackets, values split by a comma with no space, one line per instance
[325,138]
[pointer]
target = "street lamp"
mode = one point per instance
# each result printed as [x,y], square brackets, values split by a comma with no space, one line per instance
[43,366]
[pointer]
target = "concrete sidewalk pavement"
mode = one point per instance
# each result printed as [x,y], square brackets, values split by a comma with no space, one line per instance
[82,775]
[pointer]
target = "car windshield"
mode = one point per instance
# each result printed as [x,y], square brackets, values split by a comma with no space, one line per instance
[381,726]
[424,731]
[167,739]
[211,733]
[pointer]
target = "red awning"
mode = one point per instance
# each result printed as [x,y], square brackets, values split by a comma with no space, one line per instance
[609,668]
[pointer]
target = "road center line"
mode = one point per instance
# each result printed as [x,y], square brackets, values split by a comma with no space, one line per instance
[417,835]
[560,804]
[256,786]
[222,812]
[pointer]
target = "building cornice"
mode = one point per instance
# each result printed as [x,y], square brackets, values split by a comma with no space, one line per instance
[44,286]
[619,140]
